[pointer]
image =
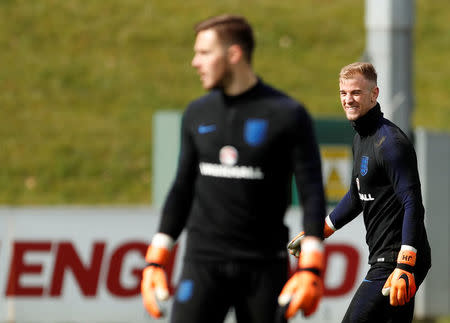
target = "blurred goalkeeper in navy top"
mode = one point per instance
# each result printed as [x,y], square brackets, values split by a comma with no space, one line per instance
[385,187]
[241,143]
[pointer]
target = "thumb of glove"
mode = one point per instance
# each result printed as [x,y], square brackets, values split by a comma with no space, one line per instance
[387,286]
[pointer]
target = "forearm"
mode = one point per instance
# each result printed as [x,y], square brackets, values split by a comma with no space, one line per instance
[308,174]
[314,212]
[346,210]
[176,210]
[413,216]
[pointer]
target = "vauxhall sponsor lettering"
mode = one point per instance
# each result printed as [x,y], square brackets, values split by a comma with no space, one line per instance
[365,197]
[217,170]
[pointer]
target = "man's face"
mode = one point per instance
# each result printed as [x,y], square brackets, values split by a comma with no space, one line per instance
[358,96]
[210,59]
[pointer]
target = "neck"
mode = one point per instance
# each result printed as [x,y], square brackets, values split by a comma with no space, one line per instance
[366,124]
[240,81]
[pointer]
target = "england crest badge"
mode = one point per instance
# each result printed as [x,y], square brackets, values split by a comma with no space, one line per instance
[364,165]
[255,131]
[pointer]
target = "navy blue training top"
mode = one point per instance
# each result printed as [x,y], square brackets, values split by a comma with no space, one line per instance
[385,186]
[233,183]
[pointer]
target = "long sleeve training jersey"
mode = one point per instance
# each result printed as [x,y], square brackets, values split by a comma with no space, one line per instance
[385,186]
[233,182]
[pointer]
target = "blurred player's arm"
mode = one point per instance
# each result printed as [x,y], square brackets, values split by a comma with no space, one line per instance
[178,203]
[176,209]
[308,175]
[304,289]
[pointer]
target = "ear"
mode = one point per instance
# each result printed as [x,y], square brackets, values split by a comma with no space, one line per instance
[235,54]
[375,92]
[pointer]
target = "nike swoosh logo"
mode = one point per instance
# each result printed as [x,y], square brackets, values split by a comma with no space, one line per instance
[405,278]
[202,129]
[378,144]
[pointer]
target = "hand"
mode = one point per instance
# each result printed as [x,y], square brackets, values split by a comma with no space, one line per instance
[401,285]
[294,246]
[304,289]
[154,286]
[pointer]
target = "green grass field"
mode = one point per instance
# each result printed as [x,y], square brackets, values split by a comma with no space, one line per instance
[81,80]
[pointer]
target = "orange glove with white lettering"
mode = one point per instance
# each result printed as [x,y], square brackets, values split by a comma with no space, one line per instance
[401,285]
[294,246]
[154,284]
[304,289]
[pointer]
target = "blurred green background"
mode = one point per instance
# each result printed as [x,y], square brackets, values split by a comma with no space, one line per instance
[80,81]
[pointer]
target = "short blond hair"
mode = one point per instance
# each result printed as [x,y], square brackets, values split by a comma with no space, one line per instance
[367,70]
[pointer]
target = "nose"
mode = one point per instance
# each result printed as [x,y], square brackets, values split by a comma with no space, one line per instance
[348,98]
[194,62]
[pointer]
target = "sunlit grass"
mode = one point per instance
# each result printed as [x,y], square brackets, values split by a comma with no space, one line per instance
[81,80]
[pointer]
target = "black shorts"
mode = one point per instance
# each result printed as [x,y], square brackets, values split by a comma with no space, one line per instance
[207,290]
[370,305]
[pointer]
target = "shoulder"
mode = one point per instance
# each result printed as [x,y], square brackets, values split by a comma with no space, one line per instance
[392,142]
[212,96]
[197,106]
[279,98]
[283,108]
[392,135]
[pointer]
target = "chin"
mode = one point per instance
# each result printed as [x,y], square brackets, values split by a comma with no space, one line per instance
[210,85]
[207,86]
[352,117]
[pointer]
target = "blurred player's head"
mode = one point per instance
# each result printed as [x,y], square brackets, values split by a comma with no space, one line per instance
[358,89]
[223,47]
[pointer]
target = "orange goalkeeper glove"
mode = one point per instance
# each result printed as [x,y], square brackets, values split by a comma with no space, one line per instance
[154,284]
[294,246]
[401,285]
[304,289]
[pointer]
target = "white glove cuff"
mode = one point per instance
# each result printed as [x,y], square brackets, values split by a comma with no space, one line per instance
[162,240]
[408,248]
[311,244]
[329,223]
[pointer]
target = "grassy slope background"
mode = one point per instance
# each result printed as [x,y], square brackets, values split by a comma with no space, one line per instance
[80,81]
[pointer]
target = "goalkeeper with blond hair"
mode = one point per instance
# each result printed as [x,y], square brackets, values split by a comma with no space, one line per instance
[385,187]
